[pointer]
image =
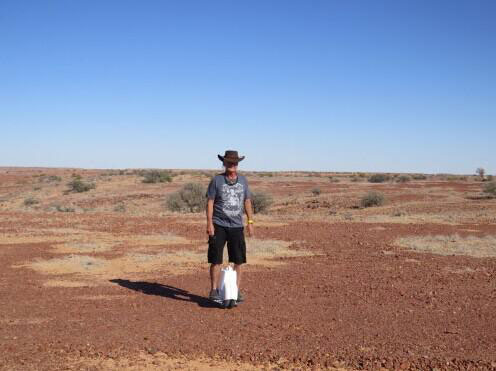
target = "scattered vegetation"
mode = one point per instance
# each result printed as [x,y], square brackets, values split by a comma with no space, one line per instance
[77,185]
[419,177]
[490,188]
[31,201]
[372,199]
[379,178]
[190,198]
[316,191]
[157,176]
[403,179]
[261,202]
[489,178]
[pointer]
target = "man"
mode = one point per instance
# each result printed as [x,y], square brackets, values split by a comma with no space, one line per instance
[228,197]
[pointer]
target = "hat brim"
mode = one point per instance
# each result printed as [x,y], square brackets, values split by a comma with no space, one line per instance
[222,158]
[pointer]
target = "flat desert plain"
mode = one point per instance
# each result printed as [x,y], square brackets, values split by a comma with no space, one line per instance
[111,279]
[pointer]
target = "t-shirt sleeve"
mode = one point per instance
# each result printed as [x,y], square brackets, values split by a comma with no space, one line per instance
[211,190]
[247,191]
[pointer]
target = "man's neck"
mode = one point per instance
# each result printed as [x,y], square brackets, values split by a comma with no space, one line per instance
[231,175]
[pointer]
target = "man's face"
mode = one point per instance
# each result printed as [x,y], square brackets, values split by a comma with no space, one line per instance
[231,166]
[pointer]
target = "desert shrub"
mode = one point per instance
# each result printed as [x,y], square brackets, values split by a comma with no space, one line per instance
[403,179]
[480,172]
[316,191]
[77,185]
[261,202]
[120,208]
[379,178]
[419,177]
[490,188]
[157,176]
[372,199]
[65,209]
[190,198]
[30,201]
[76,176]
[490,178]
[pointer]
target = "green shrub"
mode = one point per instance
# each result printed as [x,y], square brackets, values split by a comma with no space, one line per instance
[379,178]
[372,199]
[316,191]
[490,188]
[120,208]
[419,177]
[403,179]
[77,185]
[261,202]
[65,209]
[190,198]
[31,201]
[157,176]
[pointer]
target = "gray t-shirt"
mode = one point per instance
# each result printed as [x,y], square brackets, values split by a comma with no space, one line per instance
[229,200]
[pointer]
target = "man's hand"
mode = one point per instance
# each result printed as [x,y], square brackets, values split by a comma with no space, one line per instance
[251,230]
[210,229]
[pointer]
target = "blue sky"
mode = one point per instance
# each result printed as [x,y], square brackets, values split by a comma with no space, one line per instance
[405,86]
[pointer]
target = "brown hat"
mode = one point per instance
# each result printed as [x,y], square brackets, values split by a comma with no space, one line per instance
[231,156]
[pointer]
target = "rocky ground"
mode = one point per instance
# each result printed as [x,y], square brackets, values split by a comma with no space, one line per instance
[109,279]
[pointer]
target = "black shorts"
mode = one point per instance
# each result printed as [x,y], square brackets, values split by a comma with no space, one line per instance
[236,246]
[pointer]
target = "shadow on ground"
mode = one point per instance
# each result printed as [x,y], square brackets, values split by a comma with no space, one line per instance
[165,291]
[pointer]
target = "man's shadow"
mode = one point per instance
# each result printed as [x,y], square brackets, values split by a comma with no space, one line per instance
[165,291]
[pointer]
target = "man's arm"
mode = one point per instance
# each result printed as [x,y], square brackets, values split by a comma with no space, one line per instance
[249,216]
[210,214]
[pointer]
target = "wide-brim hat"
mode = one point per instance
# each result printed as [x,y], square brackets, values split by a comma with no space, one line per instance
[231,156]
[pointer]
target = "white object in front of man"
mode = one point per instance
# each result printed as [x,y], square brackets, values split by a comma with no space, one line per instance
[228,287]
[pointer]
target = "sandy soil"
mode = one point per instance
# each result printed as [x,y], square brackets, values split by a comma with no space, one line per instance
[119,282]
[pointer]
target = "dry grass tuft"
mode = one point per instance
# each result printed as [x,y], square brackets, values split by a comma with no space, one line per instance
[479,247]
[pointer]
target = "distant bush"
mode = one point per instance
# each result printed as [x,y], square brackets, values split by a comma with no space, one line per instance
[379,178]
[372,199]
[77,185]
[419,177]
[490,188]
[489,178]
[120,208]
[64,209]
[316,191]
[403,179]
[31,201]
[261,202]
[157,176]
[76,176]
[190,198]
[480,172]
[266,174]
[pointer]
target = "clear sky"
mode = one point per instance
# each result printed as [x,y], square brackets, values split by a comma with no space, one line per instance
[397,85]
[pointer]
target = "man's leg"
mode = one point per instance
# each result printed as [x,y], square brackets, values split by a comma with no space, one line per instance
[214,276]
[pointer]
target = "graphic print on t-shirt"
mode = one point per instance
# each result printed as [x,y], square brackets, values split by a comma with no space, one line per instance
[232,197]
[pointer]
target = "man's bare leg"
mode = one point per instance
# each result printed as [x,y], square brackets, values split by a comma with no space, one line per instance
[214,276]
[237,268]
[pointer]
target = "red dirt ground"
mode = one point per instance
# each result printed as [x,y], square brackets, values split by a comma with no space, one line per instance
[362,302]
